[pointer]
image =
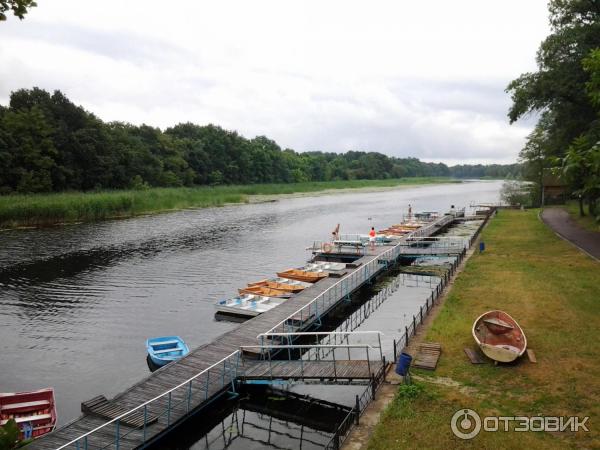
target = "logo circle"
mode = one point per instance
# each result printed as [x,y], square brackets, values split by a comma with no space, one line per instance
[464,420]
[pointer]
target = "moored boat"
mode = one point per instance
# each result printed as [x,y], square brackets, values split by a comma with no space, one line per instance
[324,265]
[282,284]
[303,275]
[499,336]
[34,412]
[248,305]
[265,291]
[165,349]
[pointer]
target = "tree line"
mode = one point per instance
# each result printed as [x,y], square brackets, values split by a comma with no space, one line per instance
[565,94]
[49,144]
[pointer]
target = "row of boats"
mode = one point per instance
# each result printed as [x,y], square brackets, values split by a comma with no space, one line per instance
[263,295]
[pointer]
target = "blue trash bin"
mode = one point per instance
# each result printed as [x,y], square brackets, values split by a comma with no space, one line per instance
[481,246]
[403,364]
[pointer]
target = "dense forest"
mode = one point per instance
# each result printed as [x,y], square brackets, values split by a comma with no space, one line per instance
[49,144]
[565,94]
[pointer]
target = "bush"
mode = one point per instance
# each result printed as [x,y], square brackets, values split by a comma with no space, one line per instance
[517,193]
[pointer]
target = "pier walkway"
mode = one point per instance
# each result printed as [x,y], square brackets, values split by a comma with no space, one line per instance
[168,396]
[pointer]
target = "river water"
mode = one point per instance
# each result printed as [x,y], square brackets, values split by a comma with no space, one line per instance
[78,302]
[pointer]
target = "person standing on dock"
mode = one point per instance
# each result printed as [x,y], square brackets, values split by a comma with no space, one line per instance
[372,238]
[409,212]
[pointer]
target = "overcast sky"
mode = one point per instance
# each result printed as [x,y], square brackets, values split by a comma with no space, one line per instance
[405,78]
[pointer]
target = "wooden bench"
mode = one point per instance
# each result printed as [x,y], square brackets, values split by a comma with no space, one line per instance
[25,405]
[156,344]
[33,418]
[167,350]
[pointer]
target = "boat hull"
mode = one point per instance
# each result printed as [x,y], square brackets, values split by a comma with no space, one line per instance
[282,284]
[34,412]
[165,349]
[301,275]
[499,336]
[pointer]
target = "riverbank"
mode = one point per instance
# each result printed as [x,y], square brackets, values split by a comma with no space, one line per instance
[52,209]
[552,290]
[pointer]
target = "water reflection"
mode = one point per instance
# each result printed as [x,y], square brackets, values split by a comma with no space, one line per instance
[261,417]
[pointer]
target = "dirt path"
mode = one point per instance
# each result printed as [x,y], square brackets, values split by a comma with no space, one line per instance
[559,221]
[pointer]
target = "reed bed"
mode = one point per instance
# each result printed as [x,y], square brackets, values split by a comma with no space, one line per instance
[37,210]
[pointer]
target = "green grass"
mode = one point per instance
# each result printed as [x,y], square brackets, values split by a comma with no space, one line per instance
[50,209]
[553,291]
[588,221]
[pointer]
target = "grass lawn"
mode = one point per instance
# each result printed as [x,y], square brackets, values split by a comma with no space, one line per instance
[49,209]
[553,291]
[586,221]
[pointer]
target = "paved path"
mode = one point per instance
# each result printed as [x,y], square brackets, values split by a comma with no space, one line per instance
[558,219]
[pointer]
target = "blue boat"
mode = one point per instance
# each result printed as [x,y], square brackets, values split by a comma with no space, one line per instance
[163,350]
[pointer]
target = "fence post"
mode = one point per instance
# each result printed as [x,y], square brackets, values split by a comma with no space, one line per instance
[414,325]
[117,436]
[373,387]
[357,410]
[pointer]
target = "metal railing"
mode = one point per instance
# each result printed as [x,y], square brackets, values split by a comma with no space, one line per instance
[177,402]
[166,408]
[328,346]
[347,284]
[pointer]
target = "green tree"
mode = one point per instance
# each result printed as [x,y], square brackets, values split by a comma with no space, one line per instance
[559,90]
[18,7]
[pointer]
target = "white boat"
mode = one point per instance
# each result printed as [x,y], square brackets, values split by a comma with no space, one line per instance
[248,305]
[319,266]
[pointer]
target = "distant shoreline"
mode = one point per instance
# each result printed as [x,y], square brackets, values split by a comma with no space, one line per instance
[40,210]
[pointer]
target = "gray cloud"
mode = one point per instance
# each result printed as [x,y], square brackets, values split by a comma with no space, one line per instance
[314,77]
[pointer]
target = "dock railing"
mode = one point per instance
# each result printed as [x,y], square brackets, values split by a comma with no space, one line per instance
[321,304]
[300,348]
[166,408]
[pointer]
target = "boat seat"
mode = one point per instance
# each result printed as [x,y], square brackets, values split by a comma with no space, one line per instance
[164,343]
[22,405]
[167,350]
[498,322]
[33,418]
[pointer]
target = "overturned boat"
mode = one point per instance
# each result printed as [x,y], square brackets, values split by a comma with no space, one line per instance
[499,336]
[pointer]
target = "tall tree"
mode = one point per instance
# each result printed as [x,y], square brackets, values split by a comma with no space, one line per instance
[558,90]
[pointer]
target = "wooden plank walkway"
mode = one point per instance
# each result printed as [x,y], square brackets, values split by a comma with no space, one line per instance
[296,370]
[197,360]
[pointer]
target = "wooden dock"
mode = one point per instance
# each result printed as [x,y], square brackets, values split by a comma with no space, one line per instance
[186,399]
[306,370]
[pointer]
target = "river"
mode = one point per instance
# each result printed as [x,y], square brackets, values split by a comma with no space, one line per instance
[78,302]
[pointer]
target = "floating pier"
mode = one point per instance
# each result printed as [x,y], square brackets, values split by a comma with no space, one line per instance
[167,397]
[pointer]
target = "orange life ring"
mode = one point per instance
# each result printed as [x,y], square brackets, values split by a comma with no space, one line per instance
[327,247]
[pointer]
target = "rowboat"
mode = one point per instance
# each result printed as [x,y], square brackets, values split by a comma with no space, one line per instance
[165,349]
[265,291]
[248,305]
[324,265]
[282,284]
[302,275]
[34,412]
[499,336]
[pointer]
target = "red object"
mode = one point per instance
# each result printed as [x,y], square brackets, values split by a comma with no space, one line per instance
[34,410]
[372,233]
